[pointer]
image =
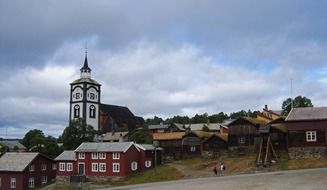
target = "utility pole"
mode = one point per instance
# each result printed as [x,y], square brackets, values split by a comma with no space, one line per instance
[291,93]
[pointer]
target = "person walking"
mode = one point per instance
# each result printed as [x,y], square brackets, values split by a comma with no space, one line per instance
[222,168]
[215,170]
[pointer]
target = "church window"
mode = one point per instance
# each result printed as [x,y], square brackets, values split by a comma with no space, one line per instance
[76,111]
[92,96]
[92,111]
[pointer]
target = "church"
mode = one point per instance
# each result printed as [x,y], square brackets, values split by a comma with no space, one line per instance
[85,103]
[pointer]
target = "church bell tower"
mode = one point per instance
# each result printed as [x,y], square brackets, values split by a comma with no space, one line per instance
[85,98]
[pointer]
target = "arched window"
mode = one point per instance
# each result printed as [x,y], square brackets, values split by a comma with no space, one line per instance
[76,111]
[92,111]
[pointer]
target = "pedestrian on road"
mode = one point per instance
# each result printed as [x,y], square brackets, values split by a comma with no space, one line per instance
[222,168]
[215,170]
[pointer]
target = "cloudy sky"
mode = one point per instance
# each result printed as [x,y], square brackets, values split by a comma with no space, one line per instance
[158,57]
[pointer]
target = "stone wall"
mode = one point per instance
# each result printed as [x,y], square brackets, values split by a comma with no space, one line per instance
[298,153]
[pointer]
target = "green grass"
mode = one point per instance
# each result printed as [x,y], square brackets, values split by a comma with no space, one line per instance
[161,173]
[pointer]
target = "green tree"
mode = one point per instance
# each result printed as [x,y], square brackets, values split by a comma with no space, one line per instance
[205,128]
[142,136]
[218,118]
[34,140]
[154,121]
[298,102]
[203,118]
[4,149]
[76,133]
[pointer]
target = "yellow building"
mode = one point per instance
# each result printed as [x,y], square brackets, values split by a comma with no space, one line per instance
[269,115]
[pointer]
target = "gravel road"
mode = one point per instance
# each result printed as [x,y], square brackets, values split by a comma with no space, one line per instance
[313,179]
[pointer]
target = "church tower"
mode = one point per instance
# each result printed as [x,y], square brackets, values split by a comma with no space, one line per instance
[85,98]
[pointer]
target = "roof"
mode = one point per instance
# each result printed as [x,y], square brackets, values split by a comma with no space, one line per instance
[86,65]
[307,113]
[251,120]
[159,126]
[12,144]
[87,80]
[202,134]
[114,136]
[180,126]
[67,155]
[147,147]
[168,136]
[104,147]
[199,126]
[221,136]
[280,126]
[16,161]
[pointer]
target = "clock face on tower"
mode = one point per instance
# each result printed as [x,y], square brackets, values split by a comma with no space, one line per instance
[77,94]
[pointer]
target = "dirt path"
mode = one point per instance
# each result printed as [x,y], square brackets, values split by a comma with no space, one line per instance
[189,172]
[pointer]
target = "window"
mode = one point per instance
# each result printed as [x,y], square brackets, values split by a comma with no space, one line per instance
[95,167]
[81,155]
[134,166]
[31,182]
[95,155]
[78,95]
[61,166]
[69,167]
[13,183]
[148,163]
[44,179]
[32,168]
[92,111]
[102,167]
[115,155]
[92,96]
[241,139]
[192,148]
[76,111]
[115,167]
[102,155]
[43,167]
[54,166]
[311,136]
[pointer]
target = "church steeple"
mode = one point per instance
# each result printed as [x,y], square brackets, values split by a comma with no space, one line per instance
[85,70]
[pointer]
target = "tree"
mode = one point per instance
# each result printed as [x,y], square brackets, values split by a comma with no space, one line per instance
[34,140]
[76,133]
[142,136]
[205,128]
[218,118]
[298,102]
[155,121]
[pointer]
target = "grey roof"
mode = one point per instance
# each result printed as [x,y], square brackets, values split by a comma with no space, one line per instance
[160,126]
[67,155]
[114,136]
[104,147]
[12,144]
[147,147]
[16,161]
[88,80]
[180,126]
[307,113]
[199,126]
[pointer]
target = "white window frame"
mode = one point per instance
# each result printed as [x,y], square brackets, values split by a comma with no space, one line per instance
[311,136]
[44,179]
[32,168]
[95,167]
[115,155]
[192,148]
[134,166]
[69,167]
[115,167]
[102,155]
[31,182]
[148,163]
[62,166]
[81,155]
[44,167]
[95,155]
[241,140]
[102,167]
[13,182]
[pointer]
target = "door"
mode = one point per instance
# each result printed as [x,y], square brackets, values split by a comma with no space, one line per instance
[81,169]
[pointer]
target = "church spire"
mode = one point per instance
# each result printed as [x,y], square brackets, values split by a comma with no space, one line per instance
[86,70]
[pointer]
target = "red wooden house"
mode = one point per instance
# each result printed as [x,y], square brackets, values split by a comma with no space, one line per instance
[307,132]
[25,170]
[150,156]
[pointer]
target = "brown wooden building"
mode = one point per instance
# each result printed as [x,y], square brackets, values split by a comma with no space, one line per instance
[25,170]
[307,132]
[243,135]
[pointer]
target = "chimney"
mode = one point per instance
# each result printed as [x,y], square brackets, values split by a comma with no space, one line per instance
[266,107]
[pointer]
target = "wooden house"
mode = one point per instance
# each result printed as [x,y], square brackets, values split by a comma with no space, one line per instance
[215,145]
[170,142]
[25,170]
[150,156]
[307,132]
[268,115]
[166,128]
[13,145]
[243,135]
